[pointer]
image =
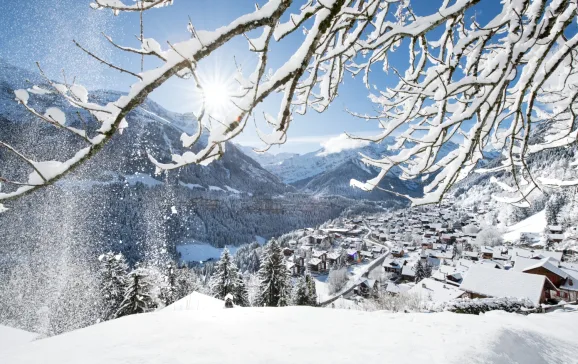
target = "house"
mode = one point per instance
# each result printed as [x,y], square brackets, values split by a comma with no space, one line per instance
[315,264]
[393,265]
[555,238]
[481,282]
[549,268]
[569,289]
[397,252]
[366,254]
[335,258]
[487,252]
[555,229]
[288,252]
[322,255]
[474,256]
[536,254]
[366,287]
[395,289]
[353,255]
[292,268]
[408,272]
[429,290]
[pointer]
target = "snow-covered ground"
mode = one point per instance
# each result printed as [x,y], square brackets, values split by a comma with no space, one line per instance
[533,224]
[200,252]
[311,335]
[11,337]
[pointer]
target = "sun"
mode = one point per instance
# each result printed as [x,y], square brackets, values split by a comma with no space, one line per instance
[217,95]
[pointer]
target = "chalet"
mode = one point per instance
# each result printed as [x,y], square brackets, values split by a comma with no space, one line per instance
[487,252]
[474,256]
[299,263]
[353,255]
[549,268]
[555,229]
[397,252]
[322,256]
[569,289]
[395,289]
[429,290]
[366,254]
[320,239]
[315,264]
[366,287]
[393,265]
[483,282]
[408,273]
[335,258]
[288,252]
[293,268]
[555,238]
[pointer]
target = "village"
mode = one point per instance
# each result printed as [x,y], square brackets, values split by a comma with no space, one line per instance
[434,255]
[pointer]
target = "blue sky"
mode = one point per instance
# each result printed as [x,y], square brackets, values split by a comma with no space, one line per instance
[42,30]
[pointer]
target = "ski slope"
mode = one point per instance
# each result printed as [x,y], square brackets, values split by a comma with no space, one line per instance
[311,335]
[533,224]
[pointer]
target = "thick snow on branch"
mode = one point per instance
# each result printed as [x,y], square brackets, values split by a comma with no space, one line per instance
[486,85]
[491,84]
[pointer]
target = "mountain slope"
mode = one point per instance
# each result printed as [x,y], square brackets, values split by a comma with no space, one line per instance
[301,334]
[323,173]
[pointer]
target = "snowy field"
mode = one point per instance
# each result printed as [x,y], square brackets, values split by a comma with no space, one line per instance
[533,224]
[311,335]
[200,252]
[11,338]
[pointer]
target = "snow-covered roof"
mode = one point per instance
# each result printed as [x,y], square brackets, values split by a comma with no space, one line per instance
[521,263]
[195,302]
[397,288]
[318,253]
[408,270]
[434,291]
[504,283]
[547,264]
[333,255]
[314,261]
[519,252]
[571,283]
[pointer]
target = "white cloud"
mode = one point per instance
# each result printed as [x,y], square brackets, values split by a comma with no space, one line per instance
[341,142]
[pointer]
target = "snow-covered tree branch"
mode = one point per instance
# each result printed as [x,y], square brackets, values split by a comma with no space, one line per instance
[483,85]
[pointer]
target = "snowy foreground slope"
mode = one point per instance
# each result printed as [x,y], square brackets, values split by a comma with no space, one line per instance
[11,337]
[311,335]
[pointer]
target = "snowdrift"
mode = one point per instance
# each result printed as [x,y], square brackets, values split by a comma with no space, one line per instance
[11,337]
[311,335]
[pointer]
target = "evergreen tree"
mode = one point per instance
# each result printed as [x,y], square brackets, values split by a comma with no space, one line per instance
[274,289]
[227,280]
[138,297]
[311,290]
[113,282]
[419,271]
[427,270]
[300,296]
[186,281]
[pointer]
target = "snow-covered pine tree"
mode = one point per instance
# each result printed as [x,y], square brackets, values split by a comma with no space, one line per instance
[300,294]
[137,297]
[227,280]
[427,270]
[240,292]
[311,290]
[186,281]
[113,282]
[419,271]
[274,289]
